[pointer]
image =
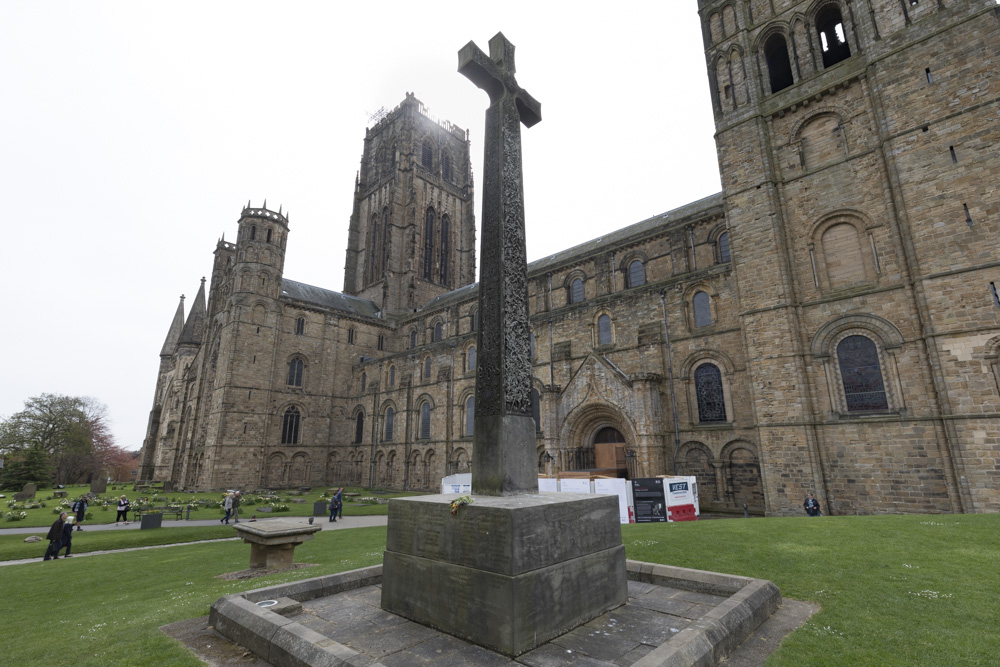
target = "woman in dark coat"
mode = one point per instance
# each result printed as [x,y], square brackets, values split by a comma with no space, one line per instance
[55,537]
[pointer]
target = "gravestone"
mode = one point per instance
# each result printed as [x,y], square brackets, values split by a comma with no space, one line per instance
[512,569]
[29,490]
[168,486]
[99,486]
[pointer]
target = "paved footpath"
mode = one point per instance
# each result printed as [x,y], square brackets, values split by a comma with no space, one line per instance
[343,524]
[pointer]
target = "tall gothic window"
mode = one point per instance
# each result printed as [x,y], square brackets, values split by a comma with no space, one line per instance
[350,336]
[253,232]
[723,243]
[779,67]
[864,390]
[381,342]
[446,166]
[300,326]
[636,274]
[576,291]
[390,415]
[472,358]
[373,250]
[268,240]
[295,372]
[474,320]
[429,244]
[702,309]
[444,249]
[536,410]
[438,332]
[427,154]
[290,426]
[392,376]
[470,415]
[832,36]
[425,420]
[413,338]
[711,399]
[604,330]
[359,428]
[427,368]
[364,381]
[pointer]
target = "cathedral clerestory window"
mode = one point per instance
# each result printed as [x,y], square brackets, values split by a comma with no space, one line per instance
[290,426]
[295,372]
[710,395]
[864,390]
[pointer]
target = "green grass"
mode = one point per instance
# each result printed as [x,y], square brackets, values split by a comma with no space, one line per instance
[894,590]
[106,610]
[13,547]
[102,515]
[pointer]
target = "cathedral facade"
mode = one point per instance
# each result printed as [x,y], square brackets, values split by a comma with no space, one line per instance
[829,322]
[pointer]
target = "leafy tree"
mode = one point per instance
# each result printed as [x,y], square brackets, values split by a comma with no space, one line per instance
[65,429]
[28,465]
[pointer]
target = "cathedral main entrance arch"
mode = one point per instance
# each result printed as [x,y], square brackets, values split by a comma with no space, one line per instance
[599,439]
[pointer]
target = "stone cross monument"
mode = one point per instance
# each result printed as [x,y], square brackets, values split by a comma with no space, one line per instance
[503,455]
[513,568]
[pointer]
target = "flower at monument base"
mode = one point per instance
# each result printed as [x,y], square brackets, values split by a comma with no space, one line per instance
[458,502]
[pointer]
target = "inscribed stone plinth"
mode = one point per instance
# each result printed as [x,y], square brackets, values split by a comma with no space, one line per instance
[508,573]
[273,542]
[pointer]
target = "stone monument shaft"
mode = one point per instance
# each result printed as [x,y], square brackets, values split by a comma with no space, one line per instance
[503,458]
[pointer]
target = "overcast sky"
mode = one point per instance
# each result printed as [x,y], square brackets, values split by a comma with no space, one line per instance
[133,133]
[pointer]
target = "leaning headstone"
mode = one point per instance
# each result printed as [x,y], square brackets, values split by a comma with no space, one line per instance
[511,569]
[99,486]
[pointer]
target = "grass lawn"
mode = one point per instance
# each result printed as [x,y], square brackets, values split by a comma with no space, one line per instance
[13,547]
[894,590]
[298,504]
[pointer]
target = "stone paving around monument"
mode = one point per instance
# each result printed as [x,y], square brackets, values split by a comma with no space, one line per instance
[652,615]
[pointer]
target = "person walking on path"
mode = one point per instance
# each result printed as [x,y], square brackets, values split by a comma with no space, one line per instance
[334,507]
[340,503]
[80,507]
[227,505]
[123,507]
[236,507]
[812,505]
[67,537]
[55,537]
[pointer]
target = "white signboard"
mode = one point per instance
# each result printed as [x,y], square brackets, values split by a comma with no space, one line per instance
[460,483]
[574,485]
[615,487]
[548,484]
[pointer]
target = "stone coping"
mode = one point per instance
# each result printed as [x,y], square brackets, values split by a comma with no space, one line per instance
[283,642]
[276,528]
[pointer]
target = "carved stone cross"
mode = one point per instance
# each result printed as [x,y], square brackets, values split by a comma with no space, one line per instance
[503,456]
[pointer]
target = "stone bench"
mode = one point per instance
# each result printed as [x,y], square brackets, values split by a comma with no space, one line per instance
[272,542]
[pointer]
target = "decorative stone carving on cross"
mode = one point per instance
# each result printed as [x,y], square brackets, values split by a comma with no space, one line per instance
[503,458]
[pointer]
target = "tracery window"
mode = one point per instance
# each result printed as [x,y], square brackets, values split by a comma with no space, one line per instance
[636,273]
[709,392]
[290,426]
[444,250]
[427,154]
[295,372]
[864,390]
[390,415]
[702,309]
[425,420]
[428,243]
[604,330]
[576,291]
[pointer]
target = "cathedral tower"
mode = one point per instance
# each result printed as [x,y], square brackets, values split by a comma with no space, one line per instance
[412,232]
[850,135]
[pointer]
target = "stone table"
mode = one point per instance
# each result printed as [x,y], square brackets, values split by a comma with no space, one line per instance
[273,542]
